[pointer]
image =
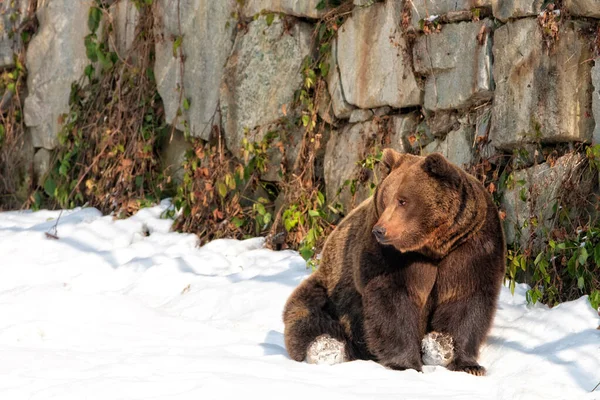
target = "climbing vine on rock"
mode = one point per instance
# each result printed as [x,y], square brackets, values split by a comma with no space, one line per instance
[107,157]
[225,196]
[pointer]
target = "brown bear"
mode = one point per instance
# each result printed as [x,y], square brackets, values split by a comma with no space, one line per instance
[426,253]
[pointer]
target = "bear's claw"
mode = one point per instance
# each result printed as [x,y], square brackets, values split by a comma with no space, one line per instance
[476,369]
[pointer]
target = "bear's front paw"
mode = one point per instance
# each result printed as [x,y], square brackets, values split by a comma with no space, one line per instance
[326,350]
[469,368]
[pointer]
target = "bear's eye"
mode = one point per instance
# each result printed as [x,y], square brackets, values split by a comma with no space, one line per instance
[402,202]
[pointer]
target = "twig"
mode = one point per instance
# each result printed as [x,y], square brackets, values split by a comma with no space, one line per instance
[55,227]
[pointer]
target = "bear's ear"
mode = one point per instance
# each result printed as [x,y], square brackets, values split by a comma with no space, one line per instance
[391,159]
[438,167]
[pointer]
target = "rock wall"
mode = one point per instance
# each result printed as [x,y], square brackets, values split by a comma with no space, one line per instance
[485,82]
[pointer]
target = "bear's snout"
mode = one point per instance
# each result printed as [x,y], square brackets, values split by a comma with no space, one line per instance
[379,232]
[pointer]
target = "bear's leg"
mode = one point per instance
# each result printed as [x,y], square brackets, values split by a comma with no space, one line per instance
[307,324]
[394,310]
[467,321]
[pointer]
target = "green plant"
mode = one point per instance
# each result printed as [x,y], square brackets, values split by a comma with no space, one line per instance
[566,262]
[16,181]
[215,197]
[568,269]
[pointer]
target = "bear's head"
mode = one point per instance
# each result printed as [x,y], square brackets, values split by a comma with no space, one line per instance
[426,204]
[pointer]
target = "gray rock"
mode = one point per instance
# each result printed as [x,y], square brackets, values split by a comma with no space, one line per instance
[347,148]
[420,138]
[56,58]
[343,176]
[422,9]
[41,164]
[290,137]
[173,149]
[298,8]
[12,15]
[483,148]
[325,106]
[372,59]
[458,65]
[540,97]
[403,131]
[360,115]
[261,77]
[442,122]
[125,16]
[381,111]
[505,9]
[583,8]
[341,108]
[533,195]
[457,146]
[363,3]
[596,100]
[207,29]
[6,51]
[527,156]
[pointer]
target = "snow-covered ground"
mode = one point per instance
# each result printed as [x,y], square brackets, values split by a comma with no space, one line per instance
[107,312]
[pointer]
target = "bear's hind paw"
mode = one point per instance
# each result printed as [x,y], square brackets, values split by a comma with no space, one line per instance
[437,349]
[326,350]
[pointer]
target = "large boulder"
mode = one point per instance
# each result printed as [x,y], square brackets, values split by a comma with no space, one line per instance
[373,60]
[458,65]
[261,77]
[507,9]
[204,29]
[56,58]
[298,8]
[541,95]
[540,198]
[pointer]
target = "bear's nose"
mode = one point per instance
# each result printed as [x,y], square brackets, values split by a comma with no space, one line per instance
[379,232]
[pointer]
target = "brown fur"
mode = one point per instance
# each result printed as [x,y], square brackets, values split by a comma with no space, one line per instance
[436,265]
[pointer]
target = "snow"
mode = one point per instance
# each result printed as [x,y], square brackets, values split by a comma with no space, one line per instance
[107,312]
